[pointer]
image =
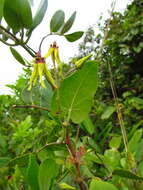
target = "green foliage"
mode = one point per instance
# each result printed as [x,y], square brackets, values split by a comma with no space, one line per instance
[74,36]
[18,14]
[127,174]
[101,185]
[1,8]
[17,56]
[47,172]
[40,13]
[32,173]
[77,91]
[66,27]
[57,21]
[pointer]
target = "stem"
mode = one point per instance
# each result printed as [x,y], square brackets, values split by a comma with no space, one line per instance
[43,40]
[71,150]
[119,113]
[27,48]
[50,144]
[112,84]
[6,43]
[30,106]
[16,40]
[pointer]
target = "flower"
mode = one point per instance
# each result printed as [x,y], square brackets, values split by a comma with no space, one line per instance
[54,53]
[40,70]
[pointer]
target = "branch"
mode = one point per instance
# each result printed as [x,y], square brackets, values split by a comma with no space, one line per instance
[6,43]
[16,40]
[50,144]
[30,106]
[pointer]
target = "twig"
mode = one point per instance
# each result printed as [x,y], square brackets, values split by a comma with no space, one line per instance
[50,144]
[30,106]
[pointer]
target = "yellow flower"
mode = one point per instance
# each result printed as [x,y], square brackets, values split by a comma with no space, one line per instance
[40,71]
[53,51]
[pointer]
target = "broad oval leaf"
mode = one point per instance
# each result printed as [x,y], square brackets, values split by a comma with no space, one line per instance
[74,36]
[115,142]
[108,112]
[40,13]
[134,142]
[11,16]
[47,172]
[112,158]
[25,13]
[17,56]
[32,173]
[18,14]
[69,23]
[1,8]
[77,91]
[101,185]
[57,21]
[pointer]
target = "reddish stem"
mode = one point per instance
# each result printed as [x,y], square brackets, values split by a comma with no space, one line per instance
[79,179]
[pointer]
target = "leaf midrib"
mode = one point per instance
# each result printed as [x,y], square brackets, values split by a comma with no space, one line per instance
[70,108]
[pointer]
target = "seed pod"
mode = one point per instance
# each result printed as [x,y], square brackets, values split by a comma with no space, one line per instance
[82,60]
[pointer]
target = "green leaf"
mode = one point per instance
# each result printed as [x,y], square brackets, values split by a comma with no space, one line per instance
[11,16]
[97,158]
[69,23]
[1,8]
[25,13]
[21,161]
[47,172]
[32,173]
[40,13]
[77,91]
[127,174]
[87,123]
[108,112]
[57,21]
[115,142]
[17,56]
[4,161]
[112,159]
[101,185]
[66,186]
[18,14]
[134,142]
[74,36]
